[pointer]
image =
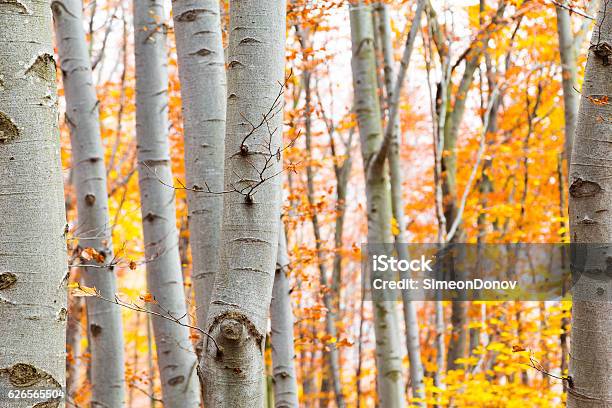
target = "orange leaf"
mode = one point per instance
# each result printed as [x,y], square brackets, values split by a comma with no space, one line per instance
[147,298]
[90,254]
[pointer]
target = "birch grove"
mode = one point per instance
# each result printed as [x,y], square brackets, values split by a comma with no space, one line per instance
[272,203]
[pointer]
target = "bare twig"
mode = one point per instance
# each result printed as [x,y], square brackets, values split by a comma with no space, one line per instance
[572,10]
[93,292]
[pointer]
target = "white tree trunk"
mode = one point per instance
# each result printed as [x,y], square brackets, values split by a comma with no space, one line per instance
[367,108]
[93,228]
[410,313]
[281,316]
[238,314]
[33,269]
[197,27]
[332,355]
[590,204]
[176,359]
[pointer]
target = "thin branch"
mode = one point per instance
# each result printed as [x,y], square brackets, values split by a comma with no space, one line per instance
[572,10]
[394,98]
[93,292]
[479,154]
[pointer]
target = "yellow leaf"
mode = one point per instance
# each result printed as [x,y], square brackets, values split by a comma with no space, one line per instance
[394,227]
[79,290]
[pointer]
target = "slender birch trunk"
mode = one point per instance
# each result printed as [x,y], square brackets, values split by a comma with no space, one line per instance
[571,97]
[232,367]
[332,354]
[388,354]
[33,270]
[175,356]
[281,316]
[94,230]
[73,346]
[395,172]
[590,202]
[201,62]
[454,117]
[150,365]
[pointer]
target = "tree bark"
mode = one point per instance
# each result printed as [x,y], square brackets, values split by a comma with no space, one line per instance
[232,367]
[73,346]
[201,62]
[176,359]
[281,316]
[395,172]
[33,269]
[590,202]
[367,108]
[94,228]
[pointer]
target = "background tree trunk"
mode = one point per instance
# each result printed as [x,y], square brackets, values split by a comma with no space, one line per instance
[396,179]
[590,203]
[367,108]
[33,270]
[175,356]
[232,368]
[331,352]
[94,229]
[571,97]
[281,316]
[197,27]
[73,346]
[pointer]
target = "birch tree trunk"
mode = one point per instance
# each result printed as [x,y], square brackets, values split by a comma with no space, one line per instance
[367,108]
[94,230]
[455,113]
[201,62]
[281,316]
[73,346]
[410,313]
[33,270]
[232,367]
[571,96]
[331,353]
[176,359]
[590,202]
